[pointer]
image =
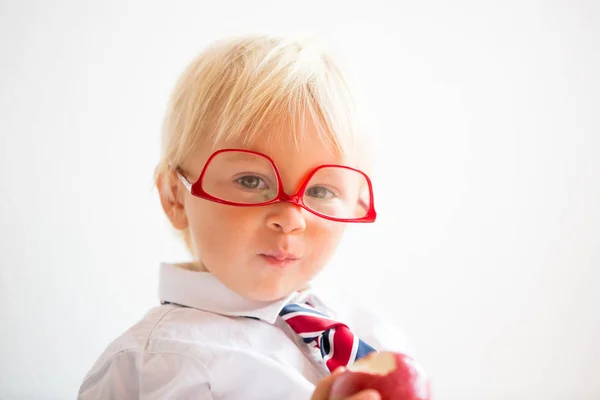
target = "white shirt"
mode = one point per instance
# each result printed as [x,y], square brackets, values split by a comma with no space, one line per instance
[204,346]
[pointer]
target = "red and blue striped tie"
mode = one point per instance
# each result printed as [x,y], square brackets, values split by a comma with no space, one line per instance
[338,345]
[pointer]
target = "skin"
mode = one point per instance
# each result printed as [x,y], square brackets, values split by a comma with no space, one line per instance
[323,389]
[230,239]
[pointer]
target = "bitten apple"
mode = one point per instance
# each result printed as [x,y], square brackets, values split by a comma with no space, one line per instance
[395,376]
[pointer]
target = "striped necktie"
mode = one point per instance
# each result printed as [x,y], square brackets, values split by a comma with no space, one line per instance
[338,345]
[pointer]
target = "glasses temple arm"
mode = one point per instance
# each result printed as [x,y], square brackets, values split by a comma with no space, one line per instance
[183,179]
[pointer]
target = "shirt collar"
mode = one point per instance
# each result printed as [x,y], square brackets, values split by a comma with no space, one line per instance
[203,291]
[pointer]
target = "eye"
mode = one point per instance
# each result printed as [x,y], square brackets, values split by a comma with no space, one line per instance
[252,182]
[320,192]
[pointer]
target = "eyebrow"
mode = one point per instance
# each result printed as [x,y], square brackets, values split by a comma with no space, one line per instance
[244,154]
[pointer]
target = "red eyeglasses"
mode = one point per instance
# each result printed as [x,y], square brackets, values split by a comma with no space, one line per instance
[246,178]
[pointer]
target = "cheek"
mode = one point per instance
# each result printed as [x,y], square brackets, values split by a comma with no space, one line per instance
[218,230]
[325,238]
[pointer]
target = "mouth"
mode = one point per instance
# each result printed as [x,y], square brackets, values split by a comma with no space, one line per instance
[279,258]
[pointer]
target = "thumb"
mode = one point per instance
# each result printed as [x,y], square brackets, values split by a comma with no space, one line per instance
[323,387]
[368,394]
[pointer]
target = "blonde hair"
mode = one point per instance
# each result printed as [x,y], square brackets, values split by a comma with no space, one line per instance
[240,88]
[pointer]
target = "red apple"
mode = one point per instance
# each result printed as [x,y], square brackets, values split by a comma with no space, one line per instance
[395,376]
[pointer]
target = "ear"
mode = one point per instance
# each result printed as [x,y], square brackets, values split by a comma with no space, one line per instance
[171,198]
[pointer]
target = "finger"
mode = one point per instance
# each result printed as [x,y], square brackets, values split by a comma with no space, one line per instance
[369,394]
[324,385]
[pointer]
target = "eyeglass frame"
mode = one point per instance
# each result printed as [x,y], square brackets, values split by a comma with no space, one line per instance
[196,189]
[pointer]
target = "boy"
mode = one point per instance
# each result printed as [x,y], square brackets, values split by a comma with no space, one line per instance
[260,172]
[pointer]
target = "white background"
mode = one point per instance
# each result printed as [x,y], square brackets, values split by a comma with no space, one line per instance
[487,247]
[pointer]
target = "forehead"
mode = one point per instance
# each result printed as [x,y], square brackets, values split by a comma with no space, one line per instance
[295,155]
[287,154]
[295,146]
[289,144]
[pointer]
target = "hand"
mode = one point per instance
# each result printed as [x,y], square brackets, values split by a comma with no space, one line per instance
[324,388]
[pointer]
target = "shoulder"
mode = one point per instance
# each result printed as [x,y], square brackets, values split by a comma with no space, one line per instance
[179,332]
[179,352]
[133,339]
[152,349]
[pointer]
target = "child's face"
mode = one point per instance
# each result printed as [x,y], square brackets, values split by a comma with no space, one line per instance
[234,243]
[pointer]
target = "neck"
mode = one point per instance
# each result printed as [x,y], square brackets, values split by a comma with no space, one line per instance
[197,266]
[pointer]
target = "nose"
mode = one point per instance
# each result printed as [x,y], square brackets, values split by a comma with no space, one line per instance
[287,218]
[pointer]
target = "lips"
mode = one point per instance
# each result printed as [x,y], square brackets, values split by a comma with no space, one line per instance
[279,258]
[280,255]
